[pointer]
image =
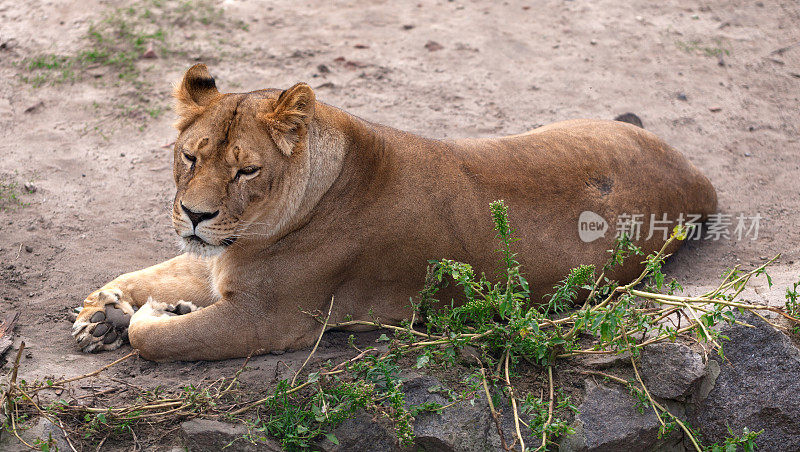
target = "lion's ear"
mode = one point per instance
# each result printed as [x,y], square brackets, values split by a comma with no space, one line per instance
[288,117]
[194,94]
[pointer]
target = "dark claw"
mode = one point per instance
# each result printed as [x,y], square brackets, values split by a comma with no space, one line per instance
[98,317]
[100,330]
[110,337]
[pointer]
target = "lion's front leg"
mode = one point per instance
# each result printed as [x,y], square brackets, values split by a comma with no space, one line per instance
[181,283]
[223,330]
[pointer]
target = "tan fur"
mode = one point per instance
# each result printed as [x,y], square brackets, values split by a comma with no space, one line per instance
[355,210]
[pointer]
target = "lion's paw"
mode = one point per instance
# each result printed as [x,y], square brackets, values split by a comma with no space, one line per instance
[155,309]
[102,323]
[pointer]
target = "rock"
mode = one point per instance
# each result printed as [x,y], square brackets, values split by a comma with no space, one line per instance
[33,108]
[357,432]
[671,370]
[756,388]
[464,426]
[150,53]
[433,46]
[209,435]
[603,361]
[609,420]
[44,431]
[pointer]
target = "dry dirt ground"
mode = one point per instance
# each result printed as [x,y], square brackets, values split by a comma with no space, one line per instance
[717,79]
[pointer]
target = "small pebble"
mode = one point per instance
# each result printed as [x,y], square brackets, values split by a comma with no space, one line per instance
[714,109]
[593,42]
[747,154]
[681,96]
[28,249]
[433,46]
[29,187]
[150,53]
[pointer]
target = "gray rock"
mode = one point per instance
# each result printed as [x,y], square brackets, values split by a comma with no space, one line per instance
[609,420]
[43,432]
[757,388]
[361,432]
[602,361]
[209,435]
[671,370]
[464,426]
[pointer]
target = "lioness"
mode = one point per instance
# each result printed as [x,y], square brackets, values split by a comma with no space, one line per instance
[283,202]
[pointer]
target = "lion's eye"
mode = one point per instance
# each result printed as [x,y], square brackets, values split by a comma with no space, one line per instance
[189,158]
[247,171]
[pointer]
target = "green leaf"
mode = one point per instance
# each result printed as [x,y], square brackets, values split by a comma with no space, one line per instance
[332,438]
[383,338]
[422,361]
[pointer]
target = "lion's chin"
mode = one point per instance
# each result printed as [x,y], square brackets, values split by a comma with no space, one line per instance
[198,247]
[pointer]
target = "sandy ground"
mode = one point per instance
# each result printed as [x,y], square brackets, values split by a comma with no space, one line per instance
[717,79]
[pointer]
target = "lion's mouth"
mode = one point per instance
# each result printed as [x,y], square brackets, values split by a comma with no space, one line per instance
[194,238]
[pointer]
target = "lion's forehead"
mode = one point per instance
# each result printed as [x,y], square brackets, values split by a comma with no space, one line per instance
[232,136]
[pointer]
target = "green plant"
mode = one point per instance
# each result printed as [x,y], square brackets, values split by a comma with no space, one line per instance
[11,194]
[792,305]
[717,48]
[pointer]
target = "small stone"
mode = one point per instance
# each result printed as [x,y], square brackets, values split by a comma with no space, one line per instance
[433,46]
[714,109]
[747,154]
[407,27]
[34,107]
[323,69]
[681,96]
[28,249]
[29,187]
[593,42]
[150,53]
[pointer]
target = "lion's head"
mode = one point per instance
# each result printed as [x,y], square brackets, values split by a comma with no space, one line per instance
[241,161]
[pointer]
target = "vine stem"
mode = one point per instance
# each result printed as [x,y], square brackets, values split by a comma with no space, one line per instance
[514,403]
[495,416]
[549,410]
[316,344]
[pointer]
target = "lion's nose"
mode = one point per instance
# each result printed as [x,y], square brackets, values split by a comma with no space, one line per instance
[198,217]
